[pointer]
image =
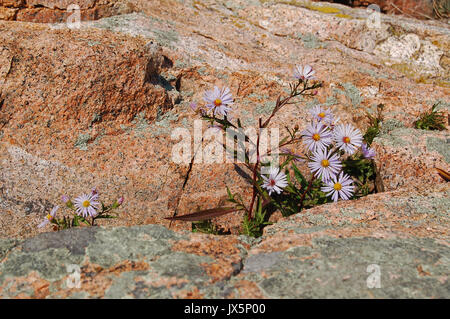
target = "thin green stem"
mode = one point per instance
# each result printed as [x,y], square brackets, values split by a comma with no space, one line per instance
[306,191]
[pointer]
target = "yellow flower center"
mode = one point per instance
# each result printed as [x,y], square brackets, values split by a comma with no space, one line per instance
[338,186]
[218,102]
[325,163]
[346,139]
[49,217]
[316,137]
[322,114]
[86,203]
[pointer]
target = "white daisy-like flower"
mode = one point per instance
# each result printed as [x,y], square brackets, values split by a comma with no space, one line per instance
[321,114]
[317,136]
[324,164]
[347,138]
[276,181]
[367,152]
[340,186]
[49,217]
[304,73]
[218,100]
[87,205]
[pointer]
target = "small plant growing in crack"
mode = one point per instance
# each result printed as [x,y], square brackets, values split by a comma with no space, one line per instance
[85,209]
[340,165]
[432,119]
[208,227]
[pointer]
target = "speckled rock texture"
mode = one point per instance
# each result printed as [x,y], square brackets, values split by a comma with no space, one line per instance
[408,158]
[96,107]
[331,251]
[49,76]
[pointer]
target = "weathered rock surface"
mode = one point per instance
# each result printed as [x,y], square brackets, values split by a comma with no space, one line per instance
[331,251]
[408,158]
[51,11]
[54,75]
[81,112]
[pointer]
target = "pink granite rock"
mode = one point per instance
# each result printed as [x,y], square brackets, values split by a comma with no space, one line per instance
[408,158]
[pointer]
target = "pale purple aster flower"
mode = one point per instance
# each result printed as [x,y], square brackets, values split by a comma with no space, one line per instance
[340,186]
[275,182]
[65,199]
[120,201]
[367,152]
[317,136]
[347,138]
[87,205]
[49,217]
[321,114]
[324,164]
[218,100]
[304,73]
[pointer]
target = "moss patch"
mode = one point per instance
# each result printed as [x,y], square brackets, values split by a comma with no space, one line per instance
[344,16]
[323,9]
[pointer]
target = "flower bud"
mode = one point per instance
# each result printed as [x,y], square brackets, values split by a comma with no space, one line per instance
[117,203]
[193,106]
